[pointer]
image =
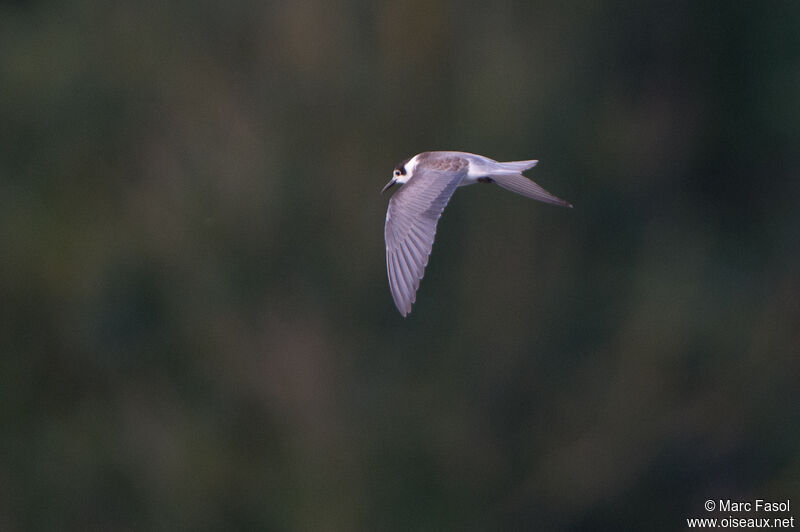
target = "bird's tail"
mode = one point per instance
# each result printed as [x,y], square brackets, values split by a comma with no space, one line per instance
[522,185]
[516,167]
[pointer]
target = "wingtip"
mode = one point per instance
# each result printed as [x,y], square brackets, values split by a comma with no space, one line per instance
[402,310]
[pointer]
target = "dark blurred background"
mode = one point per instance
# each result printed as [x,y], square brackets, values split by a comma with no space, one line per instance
[197,332]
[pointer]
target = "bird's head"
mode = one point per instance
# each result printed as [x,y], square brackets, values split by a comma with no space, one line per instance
[402,173]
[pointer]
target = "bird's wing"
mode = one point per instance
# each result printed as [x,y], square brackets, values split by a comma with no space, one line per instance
[524,186]
[410,229]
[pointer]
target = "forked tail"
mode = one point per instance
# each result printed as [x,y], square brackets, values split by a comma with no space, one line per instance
[517,167]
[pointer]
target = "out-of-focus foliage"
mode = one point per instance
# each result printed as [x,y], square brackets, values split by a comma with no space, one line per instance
[196,328]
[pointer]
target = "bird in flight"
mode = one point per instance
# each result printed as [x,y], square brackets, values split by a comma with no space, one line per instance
[430,179]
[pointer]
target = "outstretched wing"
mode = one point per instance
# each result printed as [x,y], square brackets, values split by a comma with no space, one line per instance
[410,229]
[522,185]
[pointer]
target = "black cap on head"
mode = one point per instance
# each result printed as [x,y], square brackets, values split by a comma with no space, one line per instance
[402,166]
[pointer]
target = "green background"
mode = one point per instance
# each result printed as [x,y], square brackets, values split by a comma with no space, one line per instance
[197,331]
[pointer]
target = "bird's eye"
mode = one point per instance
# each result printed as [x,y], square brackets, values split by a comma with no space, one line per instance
[397,173]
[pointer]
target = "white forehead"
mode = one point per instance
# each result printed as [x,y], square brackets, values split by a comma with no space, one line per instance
[410,166]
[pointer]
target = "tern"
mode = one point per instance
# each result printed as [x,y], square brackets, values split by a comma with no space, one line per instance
[429,179]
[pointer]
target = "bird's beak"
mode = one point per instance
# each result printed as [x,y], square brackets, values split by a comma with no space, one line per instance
[389,185]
